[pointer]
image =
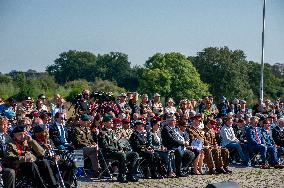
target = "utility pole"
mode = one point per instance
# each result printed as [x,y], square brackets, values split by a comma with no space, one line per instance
[262,54]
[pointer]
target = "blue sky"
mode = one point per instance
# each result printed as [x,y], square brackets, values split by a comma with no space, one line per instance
[34,32]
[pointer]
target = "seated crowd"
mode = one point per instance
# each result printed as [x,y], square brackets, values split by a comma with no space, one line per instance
[144,138]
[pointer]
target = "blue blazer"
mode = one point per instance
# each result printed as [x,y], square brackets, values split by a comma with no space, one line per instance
[268,139]
[251,135]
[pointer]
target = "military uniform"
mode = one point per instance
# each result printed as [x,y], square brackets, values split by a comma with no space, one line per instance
[110,148]
[39,171]
[83,139]
[126,133]
[140,144]
[220,155]
[199,134]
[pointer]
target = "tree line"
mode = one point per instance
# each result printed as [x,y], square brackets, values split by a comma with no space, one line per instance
[213,71]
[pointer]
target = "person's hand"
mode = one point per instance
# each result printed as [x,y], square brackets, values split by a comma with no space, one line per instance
[28,137]
[29,158]
[186,143]
[56,158]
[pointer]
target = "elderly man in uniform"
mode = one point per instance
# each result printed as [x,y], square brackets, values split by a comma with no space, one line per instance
[220,155]
[111,149]
[82,139]
[140,144]
[22,155]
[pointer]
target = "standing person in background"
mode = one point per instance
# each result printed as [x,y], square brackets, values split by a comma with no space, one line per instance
[170,108]
[157,106]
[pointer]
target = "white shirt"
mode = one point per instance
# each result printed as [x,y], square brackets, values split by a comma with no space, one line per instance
[227,135]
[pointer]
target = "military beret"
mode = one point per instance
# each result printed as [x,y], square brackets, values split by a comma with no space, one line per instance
[116,120]
[125,121]
[107,118]
[85,117]
[19,129]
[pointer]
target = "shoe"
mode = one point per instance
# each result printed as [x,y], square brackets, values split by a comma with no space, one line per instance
[172,175]
[156,176]
[212,172]
[132,178]
[228,170]
[220,171]
[279,166]
[193,172]
[179,174]
[265,166]
[122,179]
[201,172]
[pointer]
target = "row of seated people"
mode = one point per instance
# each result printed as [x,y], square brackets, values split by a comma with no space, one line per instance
[32,159]
[25,153]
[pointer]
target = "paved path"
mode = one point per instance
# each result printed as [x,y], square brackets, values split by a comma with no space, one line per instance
[246,177]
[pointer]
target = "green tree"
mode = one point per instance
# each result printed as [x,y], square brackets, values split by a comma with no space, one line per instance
[72,65]
[273,83]
[225,71]
[115,67]
[173,75]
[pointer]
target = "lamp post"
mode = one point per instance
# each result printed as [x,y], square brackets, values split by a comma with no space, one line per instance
[262,54]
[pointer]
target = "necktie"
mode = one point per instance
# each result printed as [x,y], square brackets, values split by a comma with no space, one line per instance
[257,136]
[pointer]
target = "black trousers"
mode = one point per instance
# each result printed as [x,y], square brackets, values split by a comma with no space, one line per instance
[9,178]
[40,173]
[183,159]
[151,162]
[126,160]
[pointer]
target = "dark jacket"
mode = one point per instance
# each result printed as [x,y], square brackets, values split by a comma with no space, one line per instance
[82,137]
[278,136]
[139,141]
[153,141]
[54,135]
[107,141]
[251,136]
[170,138]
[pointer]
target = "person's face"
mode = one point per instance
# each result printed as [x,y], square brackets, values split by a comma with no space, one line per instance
[254,122]
[140,128]
[109,124]
[126,126]
[195,122]
[172,122]
[229,122]
[281,124]
[4,126]
[170,103]
[209,125]
[46,119]
[156,127]
[266,125]
[122,98]
[145,99]
[60,119]
[156,98]
[21,136]
[241,125]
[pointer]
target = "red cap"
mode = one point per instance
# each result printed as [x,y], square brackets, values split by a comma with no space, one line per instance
[125,121]
[116,120]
